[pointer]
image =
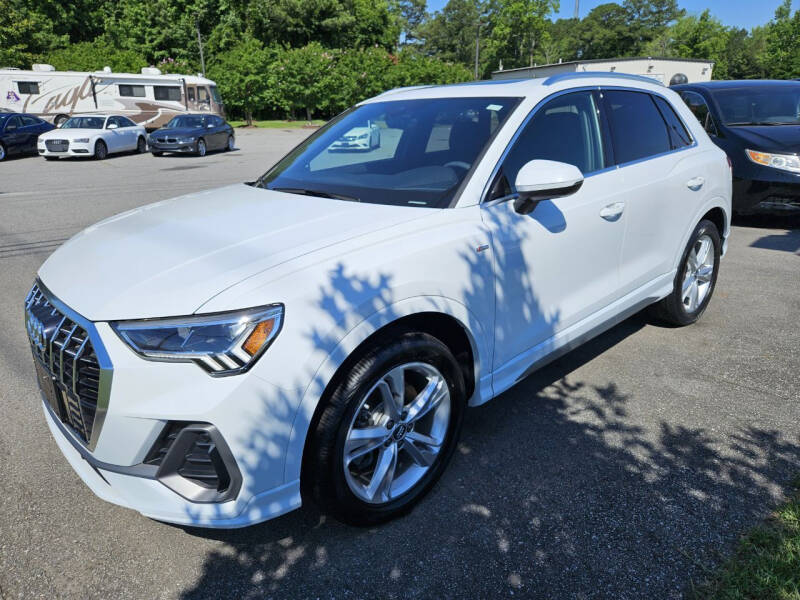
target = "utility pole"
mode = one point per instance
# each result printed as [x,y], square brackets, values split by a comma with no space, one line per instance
[477,48]
[577,2]
[200,43]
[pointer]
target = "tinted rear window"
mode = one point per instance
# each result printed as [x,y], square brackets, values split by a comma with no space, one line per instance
[679,137]
[637,128]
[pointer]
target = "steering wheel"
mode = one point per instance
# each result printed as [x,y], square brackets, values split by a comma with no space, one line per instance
[458,163]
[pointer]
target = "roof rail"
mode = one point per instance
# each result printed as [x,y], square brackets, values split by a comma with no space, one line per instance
[609,74]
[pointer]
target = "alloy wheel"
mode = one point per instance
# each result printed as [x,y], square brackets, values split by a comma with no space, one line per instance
[397,432]
[201,148]
[699,273]
[2,152]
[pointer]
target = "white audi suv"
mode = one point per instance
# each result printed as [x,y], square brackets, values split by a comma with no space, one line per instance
[318,334]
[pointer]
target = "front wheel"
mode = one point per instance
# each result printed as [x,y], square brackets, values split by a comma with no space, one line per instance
[696,278]
[100,150]
[201,148]
[387,431]
[141,145]
[2,152]
[231,144]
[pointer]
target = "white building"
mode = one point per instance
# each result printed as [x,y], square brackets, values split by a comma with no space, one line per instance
[668,71]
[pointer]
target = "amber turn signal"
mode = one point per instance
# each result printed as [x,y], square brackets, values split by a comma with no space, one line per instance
[258,337]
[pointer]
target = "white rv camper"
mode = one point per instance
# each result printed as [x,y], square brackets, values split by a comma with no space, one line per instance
[149,98]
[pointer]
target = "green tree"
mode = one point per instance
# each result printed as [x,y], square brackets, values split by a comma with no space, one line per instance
[517,27]
[25,35]
[746,52]
[648,19]
[94,55]
[450,33]
[606,32]
[410,15]
[303,76]
[783,43]
[696,37]
[243,76]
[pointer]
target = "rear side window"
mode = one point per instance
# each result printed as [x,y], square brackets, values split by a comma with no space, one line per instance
[167,92]
[637,127]
[125,122]
[28,87]
[678,136]
[26,120]
[135,91]
[566,129]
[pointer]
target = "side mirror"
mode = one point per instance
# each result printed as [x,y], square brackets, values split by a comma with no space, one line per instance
[542,180]
[112,126]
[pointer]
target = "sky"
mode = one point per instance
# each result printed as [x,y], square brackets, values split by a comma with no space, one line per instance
[741,13]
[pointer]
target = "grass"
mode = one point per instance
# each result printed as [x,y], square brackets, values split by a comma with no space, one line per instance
[766,564]
[276,124]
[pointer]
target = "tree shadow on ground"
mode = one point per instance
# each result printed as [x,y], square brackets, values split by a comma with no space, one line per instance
[557,490]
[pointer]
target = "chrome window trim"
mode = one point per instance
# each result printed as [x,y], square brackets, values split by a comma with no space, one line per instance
[106,367]
[546,99]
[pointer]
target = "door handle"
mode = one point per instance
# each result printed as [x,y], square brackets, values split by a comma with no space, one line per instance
[695,183]
[613,211]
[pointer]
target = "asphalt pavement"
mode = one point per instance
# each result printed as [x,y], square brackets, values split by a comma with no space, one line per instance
[625,469]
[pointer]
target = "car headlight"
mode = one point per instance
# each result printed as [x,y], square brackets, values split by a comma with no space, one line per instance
[187,140]
[81,140]
[363,136]
[221,343]
[784,162]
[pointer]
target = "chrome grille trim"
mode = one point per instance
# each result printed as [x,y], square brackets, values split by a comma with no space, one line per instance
[84,384]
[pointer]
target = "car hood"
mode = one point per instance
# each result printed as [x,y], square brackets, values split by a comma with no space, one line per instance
[69,134]
[178,131]
[169,258]
[770,138]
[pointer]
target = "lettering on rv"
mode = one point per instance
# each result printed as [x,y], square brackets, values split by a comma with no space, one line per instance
[65,100]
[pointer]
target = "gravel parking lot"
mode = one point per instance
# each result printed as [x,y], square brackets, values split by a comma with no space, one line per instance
[623,470]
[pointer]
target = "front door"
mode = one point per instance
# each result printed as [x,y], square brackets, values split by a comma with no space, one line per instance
[559,264]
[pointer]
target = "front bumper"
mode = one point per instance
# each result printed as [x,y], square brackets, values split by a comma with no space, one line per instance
[755,196]
[172,147]
[74,149]
[247,420]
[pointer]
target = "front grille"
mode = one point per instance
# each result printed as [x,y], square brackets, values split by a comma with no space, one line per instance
[65,351]
[166,140]
[57,145]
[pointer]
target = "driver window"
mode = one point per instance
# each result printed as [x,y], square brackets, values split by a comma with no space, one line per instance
[13,123]
[699,108]
[566,129]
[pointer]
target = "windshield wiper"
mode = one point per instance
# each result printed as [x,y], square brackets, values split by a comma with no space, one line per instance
[318,193]
[765,123]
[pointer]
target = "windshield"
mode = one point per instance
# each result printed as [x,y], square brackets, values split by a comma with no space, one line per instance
[215,94]
[405,153]
[187,122]
[3,117]
[762,105]
[84,123]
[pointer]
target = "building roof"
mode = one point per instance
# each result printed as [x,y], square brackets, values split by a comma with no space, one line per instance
[606,60]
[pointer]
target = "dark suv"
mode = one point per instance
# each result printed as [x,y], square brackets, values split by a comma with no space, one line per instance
[757,123]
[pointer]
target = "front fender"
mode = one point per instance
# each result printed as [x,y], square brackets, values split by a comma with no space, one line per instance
[352,339]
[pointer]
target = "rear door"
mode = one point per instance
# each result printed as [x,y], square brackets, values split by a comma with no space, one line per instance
[659,179]
[131,132]
[31,127]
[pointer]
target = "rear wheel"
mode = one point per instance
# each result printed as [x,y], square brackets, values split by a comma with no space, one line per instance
[387,431]
[100,150]
[696,278]
[141,145]
[201,147]
[231,144]
[2,152]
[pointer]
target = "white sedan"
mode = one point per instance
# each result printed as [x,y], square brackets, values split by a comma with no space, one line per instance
[93,135]
[358,138]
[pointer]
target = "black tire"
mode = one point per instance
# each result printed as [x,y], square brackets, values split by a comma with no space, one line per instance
[672,309]
[3,153]
[201,149]
[141,145]
[59,120]
[323,470]
[100,150]
[158,154]
[229,144]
